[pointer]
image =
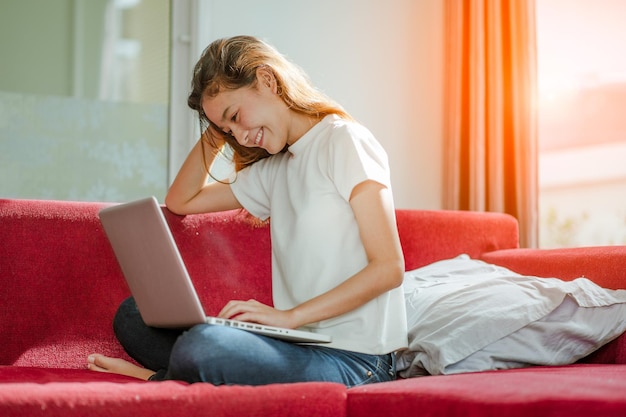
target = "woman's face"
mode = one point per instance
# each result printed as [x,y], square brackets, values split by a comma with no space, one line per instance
[255,116]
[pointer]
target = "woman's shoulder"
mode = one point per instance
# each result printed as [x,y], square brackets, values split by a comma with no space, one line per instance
[341,125]
[351,133]
[347,131]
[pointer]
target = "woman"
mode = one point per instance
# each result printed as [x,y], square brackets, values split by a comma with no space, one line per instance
[337,264]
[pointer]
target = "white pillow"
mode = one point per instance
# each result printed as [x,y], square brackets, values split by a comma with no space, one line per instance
[465,315]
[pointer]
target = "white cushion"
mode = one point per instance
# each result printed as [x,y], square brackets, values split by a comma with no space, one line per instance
[465,315]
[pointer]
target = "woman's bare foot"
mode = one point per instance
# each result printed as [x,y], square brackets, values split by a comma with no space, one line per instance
[101,363]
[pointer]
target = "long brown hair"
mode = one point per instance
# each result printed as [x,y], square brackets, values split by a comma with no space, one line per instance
[231,63]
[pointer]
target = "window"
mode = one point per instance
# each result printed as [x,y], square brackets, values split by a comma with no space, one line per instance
[84,99]
[582,123]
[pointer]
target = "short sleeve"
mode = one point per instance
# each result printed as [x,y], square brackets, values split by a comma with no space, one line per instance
[250,188]
[356,156]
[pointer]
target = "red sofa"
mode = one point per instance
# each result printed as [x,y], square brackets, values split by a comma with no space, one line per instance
[60,286]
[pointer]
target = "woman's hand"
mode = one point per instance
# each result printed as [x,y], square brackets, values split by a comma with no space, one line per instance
[253,311]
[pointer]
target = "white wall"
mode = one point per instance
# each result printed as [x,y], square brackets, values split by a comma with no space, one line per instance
[382,60]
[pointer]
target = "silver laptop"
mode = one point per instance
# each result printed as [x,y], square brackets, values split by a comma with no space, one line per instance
[156,275]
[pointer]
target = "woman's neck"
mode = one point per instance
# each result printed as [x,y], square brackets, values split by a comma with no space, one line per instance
[301,123]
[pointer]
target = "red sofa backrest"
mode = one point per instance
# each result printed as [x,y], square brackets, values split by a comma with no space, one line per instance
[60,283]
[431,235]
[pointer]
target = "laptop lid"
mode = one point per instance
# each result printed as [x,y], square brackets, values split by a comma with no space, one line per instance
[151,263]
[156,275]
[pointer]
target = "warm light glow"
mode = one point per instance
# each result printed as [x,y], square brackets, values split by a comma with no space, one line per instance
[582,131]
[580,42]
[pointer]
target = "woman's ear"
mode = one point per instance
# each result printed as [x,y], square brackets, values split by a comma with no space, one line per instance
[266,79]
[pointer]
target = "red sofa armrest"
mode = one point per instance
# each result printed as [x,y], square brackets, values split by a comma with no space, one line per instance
[604,265]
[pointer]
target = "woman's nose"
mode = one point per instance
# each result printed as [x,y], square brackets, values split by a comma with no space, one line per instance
[241,135]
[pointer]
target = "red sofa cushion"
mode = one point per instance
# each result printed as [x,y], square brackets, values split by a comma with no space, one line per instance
[568,391]
[32,391]
[14,374]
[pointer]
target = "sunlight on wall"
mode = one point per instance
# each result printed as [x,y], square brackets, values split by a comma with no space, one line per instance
[582,130]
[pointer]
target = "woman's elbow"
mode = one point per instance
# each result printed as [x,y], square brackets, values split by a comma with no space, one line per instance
[174,205]
[396,273]
[400,274]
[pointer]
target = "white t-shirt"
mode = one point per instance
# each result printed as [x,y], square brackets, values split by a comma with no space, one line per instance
[315,238]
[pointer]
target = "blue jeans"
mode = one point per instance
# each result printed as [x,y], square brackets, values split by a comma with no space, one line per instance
[224,355]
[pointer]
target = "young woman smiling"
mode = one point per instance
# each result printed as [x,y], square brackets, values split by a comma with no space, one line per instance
[337,264]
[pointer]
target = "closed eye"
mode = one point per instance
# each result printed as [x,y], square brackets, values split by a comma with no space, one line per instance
[233,119]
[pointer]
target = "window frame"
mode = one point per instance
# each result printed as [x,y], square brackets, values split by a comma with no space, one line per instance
[190,28]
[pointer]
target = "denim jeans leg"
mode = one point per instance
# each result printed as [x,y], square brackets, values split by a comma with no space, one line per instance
[149,346]
[224,355]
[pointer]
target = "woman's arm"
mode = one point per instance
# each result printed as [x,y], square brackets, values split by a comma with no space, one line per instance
[373,209]
[190,193]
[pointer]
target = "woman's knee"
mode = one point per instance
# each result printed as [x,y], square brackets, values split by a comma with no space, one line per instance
[126,319]
[207,353]
[149,346]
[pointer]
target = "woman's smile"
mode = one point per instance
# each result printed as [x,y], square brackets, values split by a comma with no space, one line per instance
[258,141]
